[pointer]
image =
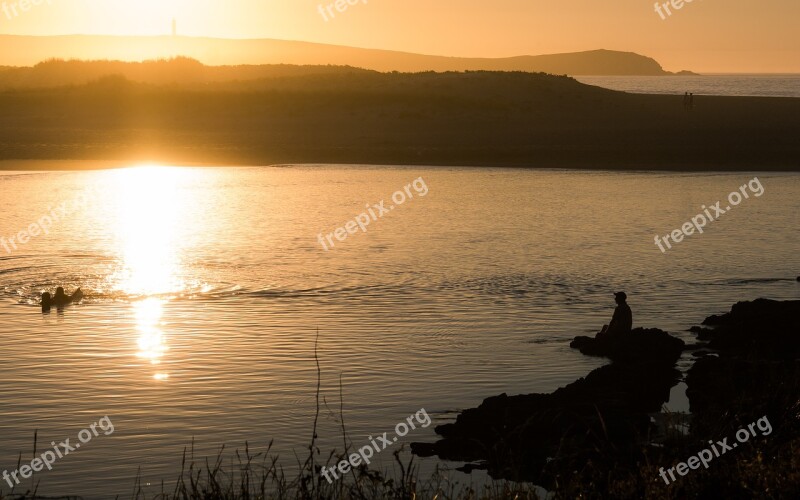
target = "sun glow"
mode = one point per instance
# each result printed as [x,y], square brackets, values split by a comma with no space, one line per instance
[149,203]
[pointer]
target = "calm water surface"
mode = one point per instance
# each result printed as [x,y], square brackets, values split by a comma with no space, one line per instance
[730,85]
[206,288]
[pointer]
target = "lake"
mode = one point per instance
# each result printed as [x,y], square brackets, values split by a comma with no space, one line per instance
[206,288]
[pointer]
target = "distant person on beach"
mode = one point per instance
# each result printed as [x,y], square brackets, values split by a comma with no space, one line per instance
[60,299]
[691,100]
[621,321]
[686,101]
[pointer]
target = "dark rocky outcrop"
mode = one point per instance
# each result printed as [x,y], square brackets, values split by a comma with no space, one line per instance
[726,393]
[761,329]
[603,416]
[641,344]
[754,371]
[594,437]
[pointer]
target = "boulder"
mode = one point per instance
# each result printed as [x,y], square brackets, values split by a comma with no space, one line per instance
[763,328]
[641,344]
[523,437]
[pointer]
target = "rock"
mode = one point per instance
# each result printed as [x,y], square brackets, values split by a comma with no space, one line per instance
[522,437]
[640,344]
[727,393]
[597,427]
[761,328]
[756,372]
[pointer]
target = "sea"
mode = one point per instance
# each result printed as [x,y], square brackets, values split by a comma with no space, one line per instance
[214,295]
[763,85]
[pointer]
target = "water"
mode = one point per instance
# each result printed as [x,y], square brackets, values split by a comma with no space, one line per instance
[728,85]
[206,288]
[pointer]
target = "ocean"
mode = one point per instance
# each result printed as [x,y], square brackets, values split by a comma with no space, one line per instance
[207,289]
[727,85]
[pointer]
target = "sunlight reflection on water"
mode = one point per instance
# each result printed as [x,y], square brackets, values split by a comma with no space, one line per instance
[152,342]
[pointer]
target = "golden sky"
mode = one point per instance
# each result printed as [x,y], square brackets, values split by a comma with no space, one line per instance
[704,35]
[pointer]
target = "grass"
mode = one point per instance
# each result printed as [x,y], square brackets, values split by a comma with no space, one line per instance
[753,472]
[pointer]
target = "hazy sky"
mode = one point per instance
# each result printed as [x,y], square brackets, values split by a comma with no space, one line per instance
[704,35]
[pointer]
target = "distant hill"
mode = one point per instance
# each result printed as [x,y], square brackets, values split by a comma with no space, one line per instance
[29,50]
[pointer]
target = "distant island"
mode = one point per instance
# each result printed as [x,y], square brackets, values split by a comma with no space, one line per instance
[181,111]
[217,51]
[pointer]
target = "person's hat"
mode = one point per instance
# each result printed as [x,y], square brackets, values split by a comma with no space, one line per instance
[621,295]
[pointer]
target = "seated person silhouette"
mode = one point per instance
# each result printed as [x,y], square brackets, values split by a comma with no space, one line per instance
[621,321]
[61,299]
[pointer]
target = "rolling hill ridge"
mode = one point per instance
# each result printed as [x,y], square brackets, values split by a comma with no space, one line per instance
[217,51]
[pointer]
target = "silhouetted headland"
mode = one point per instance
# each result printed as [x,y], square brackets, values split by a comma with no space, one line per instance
[219,51]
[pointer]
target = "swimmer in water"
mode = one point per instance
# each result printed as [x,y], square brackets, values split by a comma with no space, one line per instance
[61,299]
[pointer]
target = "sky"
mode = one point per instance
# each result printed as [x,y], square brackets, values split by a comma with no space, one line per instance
[735,36]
